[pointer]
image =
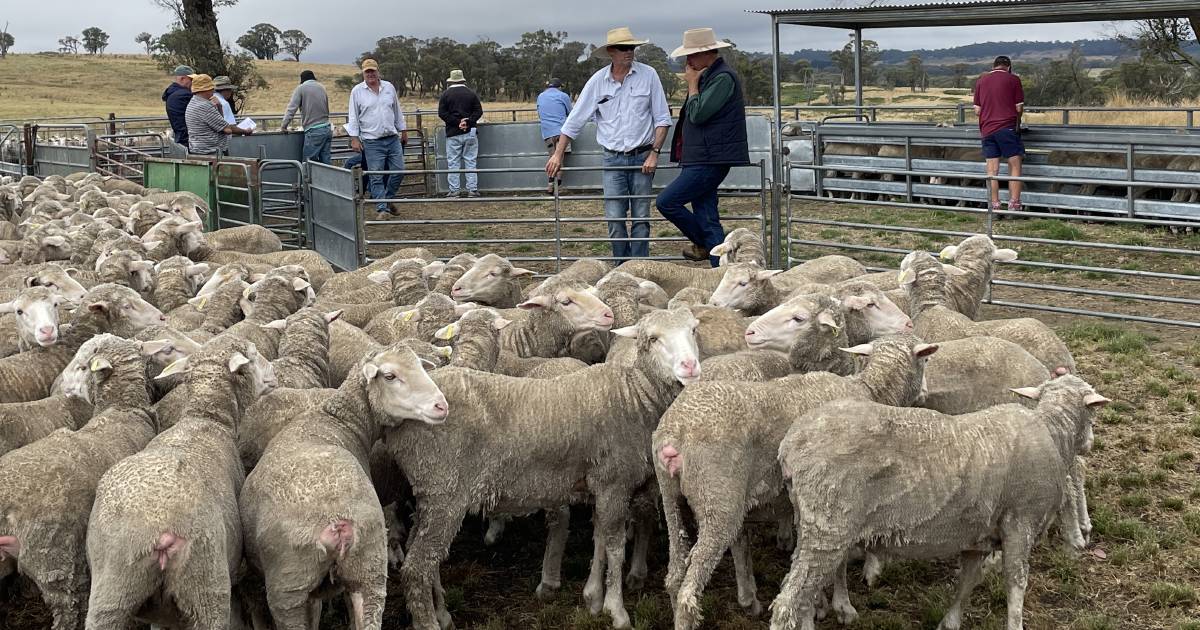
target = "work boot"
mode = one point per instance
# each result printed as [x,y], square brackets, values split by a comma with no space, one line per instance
[473,193]
[696,253]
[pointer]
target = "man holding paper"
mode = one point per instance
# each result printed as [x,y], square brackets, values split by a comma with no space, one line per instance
[208,133]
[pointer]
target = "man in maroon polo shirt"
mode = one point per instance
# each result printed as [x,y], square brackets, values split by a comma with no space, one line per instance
[999,103]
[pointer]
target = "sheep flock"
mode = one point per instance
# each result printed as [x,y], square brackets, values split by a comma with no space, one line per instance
[204,430]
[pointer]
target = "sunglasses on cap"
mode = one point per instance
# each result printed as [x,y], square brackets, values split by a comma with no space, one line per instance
[624,47]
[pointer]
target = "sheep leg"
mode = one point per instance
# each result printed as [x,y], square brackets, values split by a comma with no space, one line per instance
[677,536]
[114,596]
[1018,539]
[793,607]
[846,614]
[743,568]
[714,537]
[395,535]
[66,593]
[203,595]
[970,573]
[558,524]
[439,604]
[289,608]
[1078,478]
[785,534]
[428,544]
[593,590]
[495,530]
[643,531]
[315,605]
[612,508]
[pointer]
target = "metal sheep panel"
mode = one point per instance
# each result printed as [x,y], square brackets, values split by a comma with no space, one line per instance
[333,215]
[519,146]
[55,160]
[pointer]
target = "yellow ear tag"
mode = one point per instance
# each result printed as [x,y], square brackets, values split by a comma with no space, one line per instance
[447,332]
[904,275]
[408,315]
[203,301]
[96,365]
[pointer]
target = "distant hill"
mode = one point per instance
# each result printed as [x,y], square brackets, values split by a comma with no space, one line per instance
[1097,53]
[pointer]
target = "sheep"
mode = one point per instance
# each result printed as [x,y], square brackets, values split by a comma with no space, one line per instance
[164,540]
[314,264]
[49,275]
[723,470]
[479,337]
[248,239]
[977,256]
[419,321]
[105,308]
[558,310]
[925,280]
[176,282]
[343,283]
[920,484]
[690,296]
[740,244]
[303,349]
[405,281]
[35,312]
[454,269]
[47,487]
[45,243]
[27,422]
[623,294]
[491,281]
[868,312]
[596,443]
[311,492]
[185,204]
[586,270]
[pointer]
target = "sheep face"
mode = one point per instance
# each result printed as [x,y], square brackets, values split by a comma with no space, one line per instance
[36,310]
[123,306]
[225,274]
[583,311]
[257,367]
[399,388]
[881,314]
[96,360]
[741,286]
[58,280]
[727,250]
[1076,399]
[783,326]
[668,339]
[488,281]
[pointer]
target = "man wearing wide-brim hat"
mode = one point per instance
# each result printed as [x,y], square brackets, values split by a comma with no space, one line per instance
[208,133]
[709,139]
[627,101]
[460,109]
[223,90]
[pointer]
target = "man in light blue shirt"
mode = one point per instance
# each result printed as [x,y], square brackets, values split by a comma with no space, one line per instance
[627,101]
[224,94]
[376,127]
[553,106]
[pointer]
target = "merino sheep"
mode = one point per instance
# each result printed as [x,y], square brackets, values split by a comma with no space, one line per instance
[106,308]
[35,315]
[596,445]
[454,269]
[977,256]
[722,471]
[920,484]
[558,310]
[27,422]
[47,487]
[491,281]
[312,520]
[813,328]
[248,239]
[164,540]
[303,349]
[342,283]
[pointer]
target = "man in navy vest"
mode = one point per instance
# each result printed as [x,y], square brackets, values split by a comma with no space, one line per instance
[709,139]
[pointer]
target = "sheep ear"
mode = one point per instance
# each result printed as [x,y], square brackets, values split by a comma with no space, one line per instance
[98,307]
[141,265]
[151,348]
[369,370]
[300,284]
[8,307]
[444,351]
[429,364]
[720,250]
[278,324]
[198,269]
[333,316]
[536,302]
[1004,255]
[256,277]
[176,367]
[1095,400]
[191,226]
[855,302]
[647,288]
[447,332]
[380,277]
[500,323]
[463,307]
[629,332]
[1031,393]
[518,272]
[907,276]
[826,318]
[237,361]
[150,245]
[55,241]
[948,252]
[766,273]
[433,270]
[31,281]
[951,270]
[100,364]
[924,349]
[71,271]
[863,349]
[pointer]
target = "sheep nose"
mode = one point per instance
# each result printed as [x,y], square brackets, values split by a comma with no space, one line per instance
[908,325]
[689,366]
[749,334]
[46,331]
[607,316]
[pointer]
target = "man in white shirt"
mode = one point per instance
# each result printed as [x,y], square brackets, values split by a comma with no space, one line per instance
[627,101]
[223,95]
[376,128]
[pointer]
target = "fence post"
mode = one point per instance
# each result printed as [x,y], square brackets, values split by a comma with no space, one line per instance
[112,126]
[962,113]
[1191,118]
[30,133]
[1066,116]
[1129,177]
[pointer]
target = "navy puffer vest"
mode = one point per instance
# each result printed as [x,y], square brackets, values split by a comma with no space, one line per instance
[722,138]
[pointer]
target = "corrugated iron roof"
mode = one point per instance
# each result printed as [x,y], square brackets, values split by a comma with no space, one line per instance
[982,12]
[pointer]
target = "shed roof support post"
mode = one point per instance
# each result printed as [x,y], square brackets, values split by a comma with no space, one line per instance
[858,71]
[777,154]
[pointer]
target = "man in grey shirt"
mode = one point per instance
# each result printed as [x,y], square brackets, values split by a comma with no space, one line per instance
[208,133]
[312,101]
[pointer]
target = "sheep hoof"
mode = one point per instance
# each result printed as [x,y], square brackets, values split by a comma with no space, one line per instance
[754,609]
[846,614]
[635,581]
[546,592]
[594,600]
[444,621]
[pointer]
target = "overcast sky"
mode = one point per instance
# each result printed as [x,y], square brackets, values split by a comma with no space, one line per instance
[341,29]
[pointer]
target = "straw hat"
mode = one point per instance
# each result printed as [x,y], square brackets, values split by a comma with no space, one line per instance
[456,76]
[370,64]
[201,83]
[699,40]
[620,36]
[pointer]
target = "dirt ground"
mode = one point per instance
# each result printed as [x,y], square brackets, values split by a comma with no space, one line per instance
[1141,570]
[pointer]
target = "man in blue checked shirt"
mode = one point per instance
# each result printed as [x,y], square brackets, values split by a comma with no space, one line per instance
[553,106]
[627,101]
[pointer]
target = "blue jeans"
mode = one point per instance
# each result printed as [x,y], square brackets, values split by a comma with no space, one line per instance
[317,144]
[384,154]
[461,152]
[627,182]
[696,184]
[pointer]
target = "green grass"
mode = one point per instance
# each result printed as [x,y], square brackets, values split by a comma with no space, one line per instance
[1191,521]
[1175,504]
[1135,500]
[1056,229]
[1110,338]
[1170,594]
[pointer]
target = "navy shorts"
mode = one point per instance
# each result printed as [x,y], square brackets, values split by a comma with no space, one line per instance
[1005,143]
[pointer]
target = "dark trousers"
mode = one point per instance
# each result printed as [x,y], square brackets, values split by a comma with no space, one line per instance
[697,185]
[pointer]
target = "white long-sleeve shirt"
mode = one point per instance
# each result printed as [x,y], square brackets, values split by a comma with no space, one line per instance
[374,115]
[626,113]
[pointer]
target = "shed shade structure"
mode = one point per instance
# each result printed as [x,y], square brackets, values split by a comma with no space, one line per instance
[953,14]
